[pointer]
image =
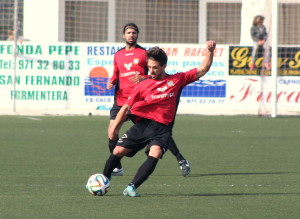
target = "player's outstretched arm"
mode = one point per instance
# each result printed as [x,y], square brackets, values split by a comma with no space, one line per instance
[116,126]
[205,65]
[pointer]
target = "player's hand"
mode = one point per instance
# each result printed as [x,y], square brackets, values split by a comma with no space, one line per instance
[211,45]
[261,42]
[109,85]
[136,79]
[112,134]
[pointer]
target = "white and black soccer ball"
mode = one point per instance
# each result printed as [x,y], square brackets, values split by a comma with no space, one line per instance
[98,184]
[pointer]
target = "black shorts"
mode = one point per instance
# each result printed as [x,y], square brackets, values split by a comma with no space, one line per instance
[114,111]
[146,133]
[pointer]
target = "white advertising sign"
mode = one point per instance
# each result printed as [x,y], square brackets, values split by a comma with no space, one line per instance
[70,78]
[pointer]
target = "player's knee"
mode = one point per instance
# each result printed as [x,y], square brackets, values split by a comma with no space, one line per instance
[120,151]
[155,151]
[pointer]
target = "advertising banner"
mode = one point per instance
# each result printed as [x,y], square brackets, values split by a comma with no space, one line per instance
[240,58]
[70,78]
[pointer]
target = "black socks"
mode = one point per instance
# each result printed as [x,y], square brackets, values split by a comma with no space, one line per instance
[145,170]
[110,165]
[174,150]
[112,144]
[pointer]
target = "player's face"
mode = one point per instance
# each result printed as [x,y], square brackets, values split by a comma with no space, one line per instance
[156,71]
[130,36]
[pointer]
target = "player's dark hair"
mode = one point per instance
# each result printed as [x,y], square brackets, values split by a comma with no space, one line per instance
[130,26]
[157,54]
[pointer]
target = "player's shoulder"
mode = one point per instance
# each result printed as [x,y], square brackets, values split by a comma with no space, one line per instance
[120,50]
[145,81]
[139,47]
[176,75]
[183,74]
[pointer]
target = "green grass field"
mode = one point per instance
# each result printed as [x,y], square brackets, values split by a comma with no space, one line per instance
[241,167]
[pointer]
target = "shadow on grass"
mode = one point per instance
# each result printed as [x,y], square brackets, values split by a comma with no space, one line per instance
[234,174]
[242,194]
[220,194]
[147,195]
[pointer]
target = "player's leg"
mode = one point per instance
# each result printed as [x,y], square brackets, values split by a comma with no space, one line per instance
[183,163]
[114,159]
[144,171]
[112,143]
[158,136]
[118,171]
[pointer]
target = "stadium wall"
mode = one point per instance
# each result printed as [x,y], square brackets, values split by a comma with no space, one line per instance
[70,78]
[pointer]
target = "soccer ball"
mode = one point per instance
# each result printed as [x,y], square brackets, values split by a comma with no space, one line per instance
[98,184]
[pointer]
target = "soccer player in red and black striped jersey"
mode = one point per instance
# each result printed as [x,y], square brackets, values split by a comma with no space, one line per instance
[153,105]
[130,67]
